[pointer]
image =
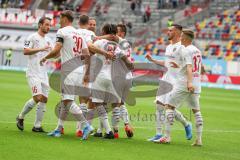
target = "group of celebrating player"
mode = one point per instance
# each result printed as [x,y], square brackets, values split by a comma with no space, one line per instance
[100,85]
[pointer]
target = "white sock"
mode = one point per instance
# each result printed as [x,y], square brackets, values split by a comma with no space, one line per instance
[77,113]
[124,114]
[169,122]
[179,117]
[41,108]
[90,115]
[115,118]
[102,113]
[160,118]
[100,128]
[199,125]
[84,109]
[63,113]
[27,108]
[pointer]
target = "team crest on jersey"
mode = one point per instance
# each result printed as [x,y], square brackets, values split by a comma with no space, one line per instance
[174,49]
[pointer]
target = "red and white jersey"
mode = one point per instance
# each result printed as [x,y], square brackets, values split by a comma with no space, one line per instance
[190,55]
[107,46]
[72,41]
[171,54]
[87,35]
[126,47]
[33,67]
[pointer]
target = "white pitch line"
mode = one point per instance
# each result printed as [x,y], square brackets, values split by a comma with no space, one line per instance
[205,130]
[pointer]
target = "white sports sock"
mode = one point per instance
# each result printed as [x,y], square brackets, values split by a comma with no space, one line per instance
[102,113]
[90,115]
[63,113]
[115,118]
[100,128]
[124,114]
[160,118]
[41,108]
[84,109]
[27,108]
[77,113]
[169,122]
[199,125]
[179,117]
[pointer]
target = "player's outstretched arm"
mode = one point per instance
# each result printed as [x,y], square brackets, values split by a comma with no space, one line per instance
[94,49]
[158,62]
[31,51]
[54,53]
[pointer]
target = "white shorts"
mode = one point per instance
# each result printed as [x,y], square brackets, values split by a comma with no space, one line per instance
[164,98]
[75,87]
[178,96]
[38,86]
[104,91]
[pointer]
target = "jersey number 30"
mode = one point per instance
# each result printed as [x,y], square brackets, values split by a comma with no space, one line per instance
[78,45]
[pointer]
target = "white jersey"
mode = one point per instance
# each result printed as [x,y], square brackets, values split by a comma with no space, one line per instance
[106,45]
[171,54]
[72,41]
[125,49]
[33,67]
[190,55]
[87,35]
[125,46]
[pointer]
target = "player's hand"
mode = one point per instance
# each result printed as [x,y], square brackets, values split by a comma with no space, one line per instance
[86,80]
[47,48]
[174,65]
[111,56]
[42,61]
[149,57]
[190,87]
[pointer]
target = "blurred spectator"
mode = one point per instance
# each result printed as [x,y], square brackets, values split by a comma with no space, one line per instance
[8,55]
[129,25]
[174,4]
[148,12]
[187,2]
[98,10]
[160,4]
[139,4]
[133,5]
[50,5]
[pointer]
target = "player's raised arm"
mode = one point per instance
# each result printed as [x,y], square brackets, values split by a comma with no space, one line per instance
[158,62]
[54,53]
[31,51]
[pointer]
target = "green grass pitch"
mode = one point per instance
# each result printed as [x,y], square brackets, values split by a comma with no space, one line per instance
[221,136]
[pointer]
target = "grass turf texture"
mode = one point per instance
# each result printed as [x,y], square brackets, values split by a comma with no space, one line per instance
[220,109]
